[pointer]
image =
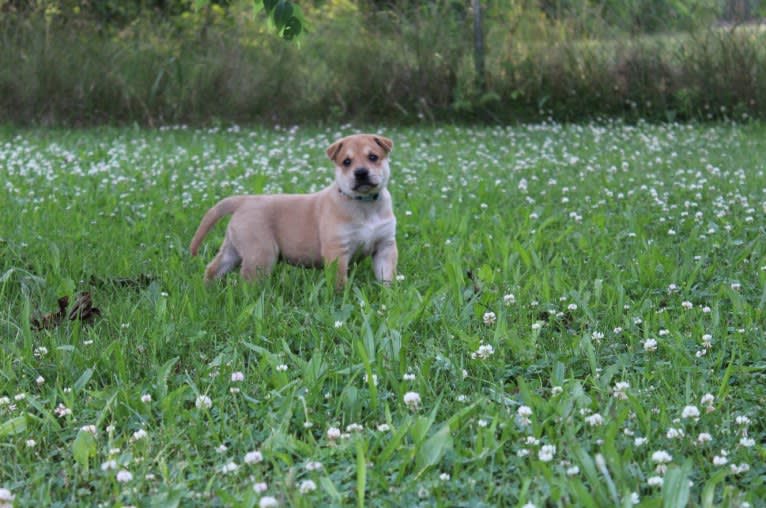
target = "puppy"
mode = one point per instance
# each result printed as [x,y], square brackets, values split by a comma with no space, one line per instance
[353,217]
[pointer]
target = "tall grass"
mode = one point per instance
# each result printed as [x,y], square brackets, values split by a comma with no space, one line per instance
[409,65]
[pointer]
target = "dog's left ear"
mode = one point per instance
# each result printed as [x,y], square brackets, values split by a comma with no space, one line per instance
[385,143]
[333,149]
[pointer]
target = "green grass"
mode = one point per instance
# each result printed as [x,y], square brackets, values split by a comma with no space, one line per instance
[603,234]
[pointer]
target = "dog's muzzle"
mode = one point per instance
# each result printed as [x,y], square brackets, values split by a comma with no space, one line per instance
[362,180]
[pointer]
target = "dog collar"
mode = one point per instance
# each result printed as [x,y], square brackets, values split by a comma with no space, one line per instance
[367,197]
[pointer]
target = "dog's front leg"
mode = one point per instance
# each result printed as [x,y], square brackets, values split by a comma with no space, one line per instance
[384,261]
[341,258]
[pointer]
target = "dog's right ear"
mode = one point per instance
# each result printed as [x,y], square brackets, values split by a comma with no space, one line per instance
[333,149]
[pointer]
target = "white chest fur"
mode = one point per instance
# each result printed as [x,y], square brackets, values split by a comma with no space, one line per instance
[363,238]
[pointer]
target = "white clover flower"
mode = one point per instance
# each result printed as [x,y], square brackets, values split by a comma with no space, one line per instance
[338,324]
[736,286]
[109,464]
[445,477]
[546,453]
[594,420]
[742,420]
[650,345]
[489,318]
[482,422]
[654,481]
[384,427]
[354,427]
[400,277]
[556,390]
[707,399]
[674,433]
[268,502]
[509,299]
[30,443]
[124,476]
[704,437]
[412,400]
[661,457]
[640,441]
[408,377]
[634,498]
[203,402]
[314,465]
[253,457]
[747,442]
[522,453]
[90,429]
[229,467]
[572,307]
[573,471]
[62,411]
[333,433]
[619,390]
[707,341]
[739,469]
[484,352]
[260,487]
[40,380]
[6,497]
[307,486]
[597,336]
[237,377]
[146,398]
[720,460]
[281,367]
[690,412]
[687,305]
[139,434]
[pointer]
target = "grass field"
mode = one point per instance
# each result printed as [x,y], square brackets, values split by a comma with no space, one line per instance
[579,321]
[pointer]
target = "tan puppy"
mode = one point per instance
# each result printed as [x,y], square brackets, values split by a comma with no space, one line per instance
[350,218]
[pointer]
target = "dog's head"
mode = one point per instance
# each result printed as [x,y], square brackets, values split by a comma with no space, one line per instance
[361,164]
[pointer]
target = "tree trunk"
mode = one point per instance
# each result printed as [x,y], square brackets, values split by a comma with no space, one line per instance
[478,47]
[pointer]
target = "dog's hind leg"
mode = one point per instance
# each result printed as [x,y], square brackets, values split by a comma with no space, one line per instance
[259,261]
[226,260]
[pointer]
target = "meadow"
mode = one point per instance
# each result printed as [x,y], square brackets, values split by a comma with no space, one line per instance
[578,321]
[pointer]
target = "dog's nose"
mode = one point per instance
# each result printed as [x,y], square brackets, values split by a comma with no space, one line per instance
[361,173]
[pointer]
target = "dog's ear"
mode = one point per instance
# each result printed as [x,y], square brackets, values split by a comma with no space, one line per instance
[385,143]
[333,149]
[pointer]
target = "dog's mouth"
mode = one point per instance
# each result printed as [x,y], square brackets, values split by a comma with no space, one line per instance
[363,187]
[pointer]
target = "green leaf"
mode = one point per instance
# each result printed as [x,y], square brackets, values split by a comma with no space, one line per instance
[361,473]
[162,376]
[13,426]
[293,29]
[675,487]
[83,380]
[329,487]
[282,13]
[83,448]
[433,449]
[268,5]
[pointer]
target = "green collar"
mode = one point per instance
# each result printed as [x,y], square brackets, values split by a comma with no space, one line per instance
[366,197]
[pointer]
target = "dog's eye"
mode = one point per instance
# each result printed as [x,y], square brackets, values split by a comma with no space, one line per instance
[346,162]
[372,157]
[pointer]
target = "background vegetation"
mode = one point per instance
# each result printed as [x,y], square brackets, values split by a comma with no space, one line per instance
[76,62]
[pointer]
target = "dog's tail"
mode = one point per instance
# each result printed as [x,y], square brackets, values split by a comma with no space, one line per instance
[222,208]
